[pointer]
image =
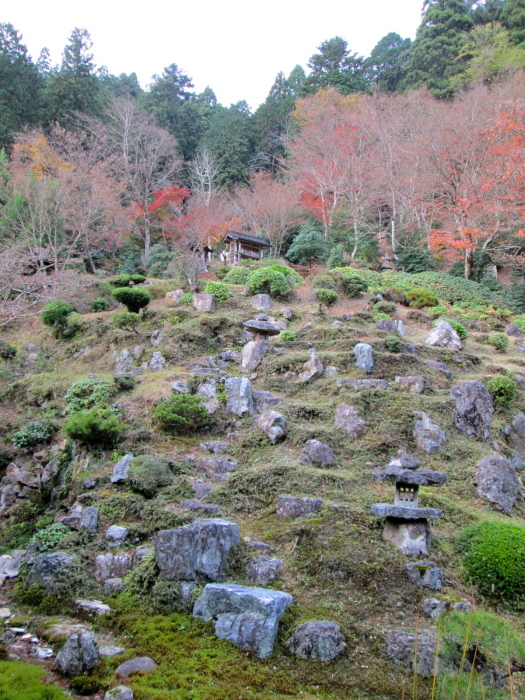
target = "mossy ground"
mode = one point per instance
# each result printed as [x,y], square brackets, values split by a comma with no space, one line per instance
[337,565]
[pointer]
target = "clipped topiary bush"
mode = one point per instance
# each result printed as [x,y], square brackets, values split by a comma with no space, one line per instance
[325,297]
[87,393]
[32,434]
[56,315]
[99,305]
[494,558]
[287,336]
[324,281]
[419,298]
[97,427]
[147,474]
[123,280]
[138,279]
[126,321]
[134,299]
[393,343]
[181,414]
[219,289]
[353,285]
[236,275]
[275,280]
[499,341]
[503,390]
[385,307]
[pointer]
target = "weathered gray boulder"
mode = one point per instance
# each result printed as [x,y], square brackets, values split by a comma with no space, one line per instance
[92,607]
[415,384]
[113,585]
[208,391]
[123,362]
[515,433]
[141,664]
[248,617]
[316,452]
[121,692]
[261,302]
[265,401]
[47,568]
[401,647]
[10,564]
[364,357]
[109,651]
[197,506]
[78,656]
[287,314]
[411,538]
[512,330]
[198,549]
[321,640]
[424,573]
[156,337]
[496,481]
[363,384]
[157,361]
[347,418]
[180,387]
[240,397]
[474,409]
[262,570]
[121,468]
[116,535]
[216,465]
[89,519]
[434,608]
[113,565]
[175,296]
[444,336]
[429,437]
[216,447]
[205,302]
[441,366]
[297,507]
[273,424]
[312,368]
[252,354]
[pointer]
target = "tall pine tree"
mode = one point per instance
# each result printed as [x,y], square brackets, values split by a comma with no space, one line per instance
[434,58]
[513,17]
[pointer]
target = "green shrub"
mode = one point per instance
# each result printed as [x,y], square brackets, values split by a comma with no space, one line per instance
[87,393]
[134,299]
[353,285]
[222,271]
[499,341]
[123,280]
[47,539]
[396,294]
[326,297]
[237,275]
[219,289]
[147,474]
[138,279]
[458,327]
[123,382]
[385,307]
[99,305]
[437,311]
[324,281]
[419,298]
[186,298]
[181,414]
[75,324]
[32,434]
[520,322]
[276,280]
[7,351]
[85,685]
[97,427]
[158,260]
[56,315]
[393,343]
[336,257]
[494,558]
[126,321]
[503,390]
[413,260]
[382,317]
[287,336]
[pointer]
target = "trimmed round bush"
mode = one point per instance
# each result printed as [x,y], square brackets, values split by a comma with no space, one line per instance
[126,320]
[87,393]
[147,474]
[97,427]
[503,390]
[326,297]
[385,307]
[275,280]
[420,298]
[134,299]
[499,341]
[353,286]
[219,289]
[138,279]
[287,336]
[123,280]
[56,315]
[186,298]
[494,558]
[181,414]
[325,282]
[221,272]
[100,305]
[393,343]
[236,275]
[396,294]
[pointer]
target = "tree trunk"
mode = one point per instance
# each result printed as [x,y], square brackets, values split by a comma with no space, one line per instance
[469,262]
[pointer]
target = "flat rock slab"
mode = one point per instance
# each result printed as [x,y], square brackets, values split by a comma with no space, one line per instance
[416,477]
[319,454]
[94,607]
[364,384]
[364,357]
[120,470]
[496,481]
[198,549]
[248,617]
[404,647]
[121,692]
[108,652]
[297,507]
[386,510]
[140,664]
[411,537]
[205,302]
[262,570]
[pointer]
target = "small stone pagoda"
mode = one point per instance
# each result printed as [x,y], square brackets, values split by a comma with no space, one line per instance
[253,352]
[406,523]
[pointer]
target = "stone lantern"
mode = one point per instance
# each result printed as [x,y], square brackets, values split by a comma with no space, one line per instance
[406,523]
[262,328]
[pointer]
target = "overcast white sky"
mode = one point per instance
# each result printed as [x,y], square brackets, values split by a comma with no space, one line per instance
[236,47]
